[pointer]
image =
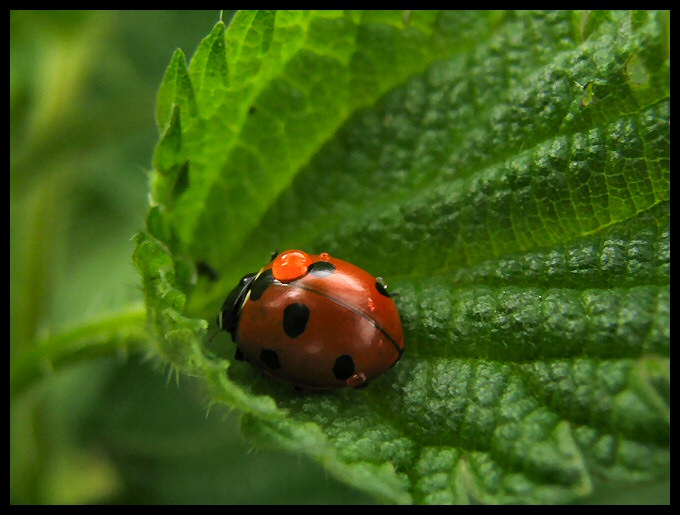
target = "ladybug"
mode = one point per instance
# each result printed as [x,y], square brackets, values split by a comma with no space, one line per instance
[314,321]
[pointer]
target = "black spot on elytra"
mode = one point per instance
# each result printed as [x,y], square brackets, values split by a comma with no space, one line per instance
[343,367]
[381,289]
[270,358]
[321,268]
[260,284]
[295,318]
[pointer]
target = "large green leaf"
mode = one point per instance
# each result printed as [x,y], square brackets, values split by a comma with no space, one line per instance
[507,173]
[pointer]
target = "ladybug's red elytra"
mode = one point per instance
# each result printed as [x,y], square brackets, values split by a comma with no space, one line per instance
[314,321]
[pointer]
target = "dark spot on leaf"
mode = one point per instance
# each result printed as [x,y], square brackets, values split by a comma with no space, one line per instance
[205,270]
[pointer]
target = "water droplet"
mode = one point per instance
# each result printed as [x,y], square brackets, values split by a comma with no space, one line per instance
[371,304]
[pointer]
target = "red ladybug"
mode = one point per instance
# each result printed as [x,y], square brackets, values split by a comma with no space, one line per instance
[314,321]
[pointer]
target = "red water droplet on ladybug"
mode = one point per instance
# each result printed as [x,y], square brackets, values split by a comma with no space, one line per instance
[291,265]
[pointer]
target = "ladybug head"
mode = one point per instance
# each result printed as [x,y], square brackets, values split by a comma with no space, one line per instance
[228,316]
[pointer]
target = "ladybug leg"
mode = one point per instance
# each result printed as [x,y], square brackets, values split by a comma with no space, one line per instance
[274,255]
[238,356]
[358,381]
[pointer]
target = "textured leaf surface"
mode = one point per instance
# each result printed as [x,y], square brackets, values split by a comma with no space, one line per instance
[507,173]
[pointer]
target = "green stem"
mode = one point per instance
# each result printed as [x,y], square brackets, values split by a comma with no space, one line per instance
[105,336]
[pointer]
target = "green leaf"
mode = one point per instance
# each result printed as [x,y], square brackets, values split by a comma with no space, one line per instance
[192,457]
[507,173]
[175,90]
[209,71]
[293,79]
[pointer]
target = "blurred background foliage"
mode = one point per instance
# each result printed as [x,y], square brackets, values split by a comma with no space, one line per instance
[115,429]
